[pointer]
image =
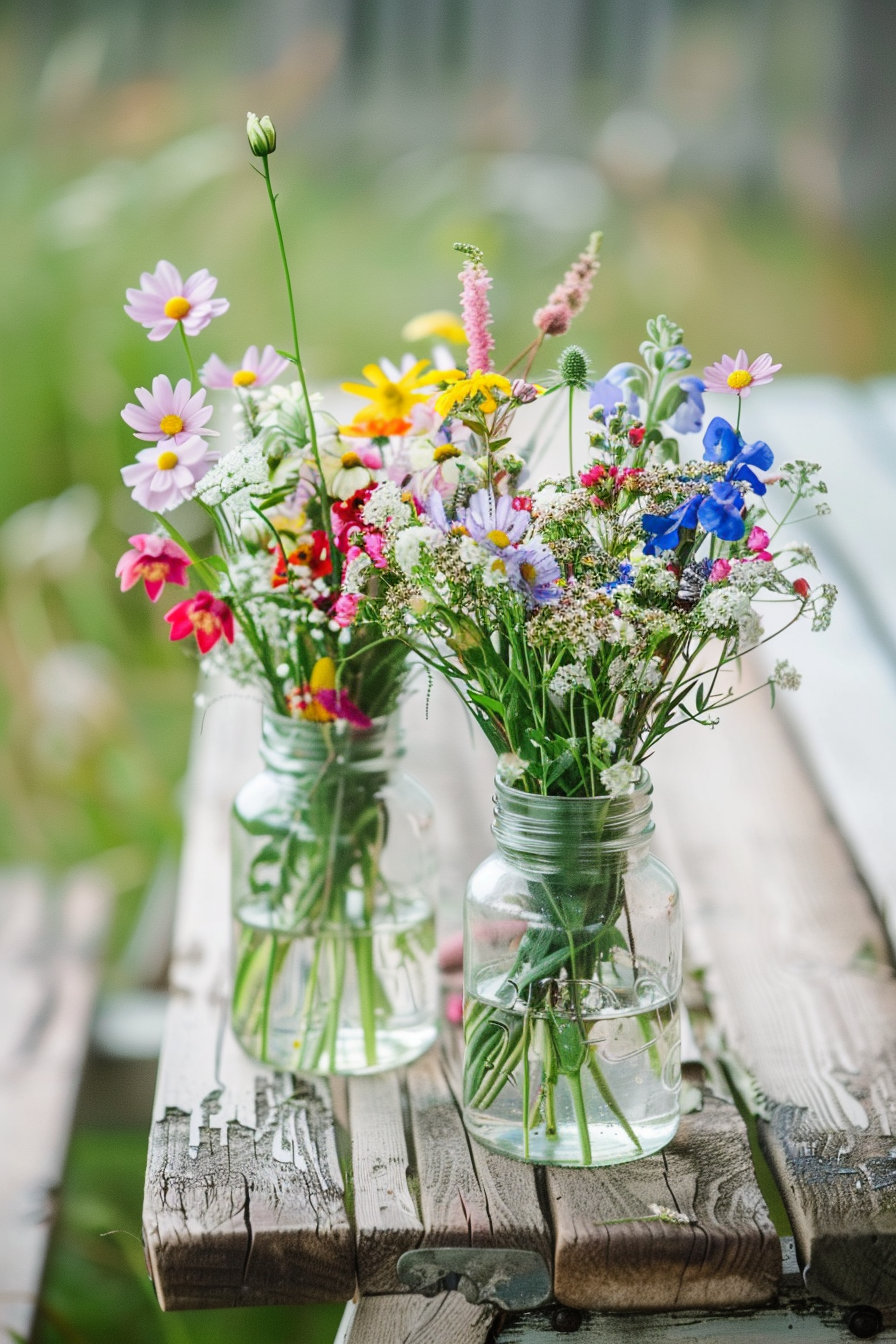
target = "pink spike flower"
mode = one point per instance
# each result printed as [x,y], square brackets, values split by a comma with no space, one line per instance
[155,560]
[256,370]
[477,316]
[164,299]
[166,474]
[168,413]
[205,616]
[739,376]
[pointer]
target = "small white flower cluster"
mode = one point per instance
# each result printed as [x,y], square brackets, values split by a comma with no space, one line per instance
[566,679]
[653,577]
[751,575]
[667,1215]
[384,504]
[620,778]
[245,468]
[729,605]
[606,733]
[785,676]
[409,546]
[355,574]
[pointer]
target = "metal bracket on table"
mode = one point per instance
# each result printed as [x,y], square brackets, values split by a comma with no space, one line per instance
[509,1279]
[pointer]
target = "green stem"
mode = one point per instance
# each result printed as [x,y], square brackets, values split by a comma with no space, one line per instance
[194,376]
[572,476]
[606,1092]
[363,946]
[739,407]
[525,1085]
[268,989]
[312,428]
[578,1102]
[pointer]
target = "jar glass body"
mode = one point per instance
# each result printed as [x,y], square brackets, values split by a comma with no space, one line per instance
[572,980]
[333,894]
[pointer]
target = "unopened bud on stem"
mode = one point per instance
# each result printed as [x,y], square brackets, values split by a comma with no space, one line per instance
[262,136]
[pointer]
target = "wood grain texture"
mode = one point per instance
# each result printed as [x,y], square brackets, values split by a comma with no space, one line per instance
[243,1202]
[446,1318]
[795,1324]
[727,1256]
[49,970]
[469,1197]
[799,985]
[386,1219]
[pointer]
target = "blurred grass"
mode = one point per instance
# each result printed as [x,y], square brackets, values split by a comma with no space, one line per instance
[97,1287]
[101,178]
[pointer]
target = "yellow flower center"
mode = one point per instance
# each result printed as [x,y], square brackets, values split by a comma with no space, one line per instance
[498,566]
[205,620]
[350,460]
[166,461]
[392,398]
[739,378]
[178,307]
[498,538]
[445,453]
[529,572]
[171,425]
[153,570]
[244,378]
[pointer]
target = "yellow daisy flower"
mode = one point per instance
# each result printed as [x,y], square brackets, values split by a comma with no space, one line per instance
[388,399]
[464,387]
[446,326]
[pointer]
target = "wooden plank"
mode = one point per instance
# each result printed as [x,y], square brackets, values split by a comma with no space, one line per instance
[798,982]
[49,970]
[243,1202]
[469,1196]
[727,1255]
[387,1222]
[444,1319]
[793,1324]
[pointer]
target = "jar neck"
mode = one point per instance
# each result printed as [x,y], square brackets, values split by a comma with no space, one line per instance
[550,833]
[298,746]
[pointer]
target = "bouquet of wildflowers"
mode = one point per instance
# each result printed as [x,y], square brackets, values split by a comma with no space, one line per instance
[585,615]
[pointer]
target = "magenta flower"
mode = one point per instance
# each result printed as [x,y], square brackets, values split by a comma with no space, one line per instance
[205,616]
[166,475]
[168,413]
[739,375]
[155,560]
[758,542]
[338,705]
[720,570]
[345,610]
[477,316]
[163,300]
[256,370]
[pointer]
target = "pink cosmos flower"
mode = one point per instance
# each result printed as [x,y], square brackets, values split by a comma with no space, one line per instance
[205,616]
[720,571]
[256,370]
[166,475]
[155,560]
[164,299]
[758,542]
[168,413]
[739,375]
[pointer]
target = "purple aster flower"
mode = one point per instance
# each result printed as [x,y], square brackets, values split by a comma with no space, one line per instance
[689,416]
[739,376]
[533,571]
[493,520]
[168,413]
[164,299]
[255,370]
[722,443]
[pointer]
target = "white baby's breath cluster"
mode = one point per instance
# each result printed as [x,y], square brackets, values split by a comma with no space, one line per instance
[245,468]
[785,676]
[620,778]
[386,505]
[567,678]
[606,733]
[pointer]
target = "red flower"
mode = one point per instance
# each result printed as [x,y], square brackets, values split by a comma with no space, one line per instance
[205,616]
[636,435]
[522,503]
[312,554]
[593,475]
[155,560]
[347,520]
[801,586]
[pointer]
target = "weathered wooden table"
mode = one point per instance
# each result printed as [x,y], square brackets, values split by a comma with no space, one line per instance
[271,1188]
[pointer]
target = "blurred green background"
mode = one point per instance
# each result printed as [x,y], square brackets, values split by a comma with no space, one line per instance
[738,157]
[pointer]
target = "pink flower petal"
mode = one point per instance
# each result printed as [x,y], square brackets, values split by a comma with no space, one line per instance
[215,373]
[162,329]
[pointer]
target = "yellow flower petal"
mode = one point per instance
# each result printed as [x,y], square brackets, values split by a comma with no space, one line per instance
[443,324]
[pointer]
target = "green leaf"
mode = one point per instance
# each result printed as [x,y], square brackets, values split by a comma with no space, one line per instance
[284,354]
[487,702]
[498,443]
[672,398]
[569,1044]
[216,562]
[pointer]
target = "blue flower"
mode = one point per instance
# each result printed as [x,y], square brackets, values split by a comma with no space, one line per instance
[689,416]
[722,443]
[613,388]
[626,575]
[718,512]
[678,357]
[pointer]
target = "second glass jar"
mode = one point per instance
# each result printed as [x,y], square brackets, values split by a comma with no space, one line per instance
[572,978]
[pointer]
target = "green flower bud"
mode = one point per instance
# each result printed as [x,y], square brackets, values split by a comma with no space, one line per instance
[573,367]
[262,136]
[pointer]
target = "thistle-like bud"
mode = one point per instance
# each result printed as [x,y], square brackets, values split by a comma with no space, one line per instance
[523,392]
[262,135]
[573,367]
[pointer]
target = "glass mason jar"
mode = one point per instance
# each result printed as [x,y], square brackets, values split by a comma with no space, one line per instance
[333,901]
[572,977]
